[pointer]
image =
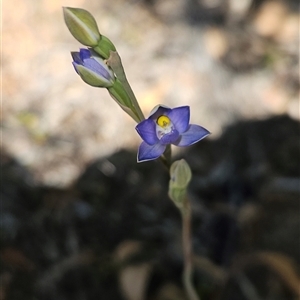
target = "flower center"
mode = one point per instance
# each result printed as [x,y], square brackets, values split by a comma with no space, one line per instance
[164,126]
[163,121]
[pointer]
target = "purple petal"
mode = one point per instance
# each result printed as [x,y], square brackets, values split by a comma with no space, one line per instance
[146,129]
[170,138]
[150,152]
[194,134]
[158,110]
[180,117]
[76,58]
[84,53]
[75,66]
[94,66]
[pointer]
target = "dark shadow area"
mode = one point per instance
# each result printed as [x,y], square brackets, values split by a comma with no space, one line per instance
[81,242]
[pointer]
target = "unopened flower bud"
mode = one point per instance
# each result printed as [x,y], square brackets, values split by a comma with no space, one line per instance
[82,26]
[181,175]
[92,68]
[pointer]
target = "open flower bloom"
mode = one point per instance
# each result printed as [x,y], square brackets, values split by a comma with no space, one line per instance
[167,126]
[92,68]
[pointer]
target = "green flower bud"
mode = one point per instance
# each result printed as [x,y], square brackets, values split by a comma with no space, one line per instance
[181,175]
[82,26]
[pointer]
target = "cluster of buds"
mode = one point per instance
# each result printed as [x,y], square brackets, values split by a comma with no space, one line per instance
[99,64]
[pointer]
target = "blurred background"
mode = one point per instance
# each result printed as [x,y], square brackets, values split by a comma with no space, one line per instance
[81,220]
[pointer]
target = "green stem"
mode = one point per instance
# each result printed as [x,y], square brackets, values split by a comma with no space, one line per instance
[188,252]
[166,157]
[165,163]
[114,61]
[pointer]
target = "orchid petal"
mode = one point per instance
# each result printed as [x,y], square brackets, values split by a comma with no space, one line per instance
[76,58]
[84,53]
[94,66]
[149,152]
[194,134]
[158,110]
[146,129]
[169,138]
[75,66]
[180,117]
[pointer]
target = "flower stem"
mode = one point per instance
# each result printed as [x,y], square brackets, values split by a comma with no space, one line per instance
[187,252]
[166,157]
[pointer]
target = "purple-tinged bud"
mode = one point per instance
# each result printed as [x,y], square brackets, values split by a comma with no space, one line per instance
[92,68]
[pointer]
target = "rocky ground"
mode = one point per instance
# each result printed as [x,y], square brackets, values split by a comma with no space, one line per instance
[81,220]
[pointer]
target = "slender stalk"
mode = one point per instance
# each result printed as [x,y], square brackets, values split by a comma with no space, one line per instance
[186,214]
[188,252]
[166,158]
[165,163]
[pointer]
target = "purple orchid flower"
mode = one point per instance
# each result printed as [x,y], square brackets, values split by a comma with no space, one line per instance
[167,126]
[92,68]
